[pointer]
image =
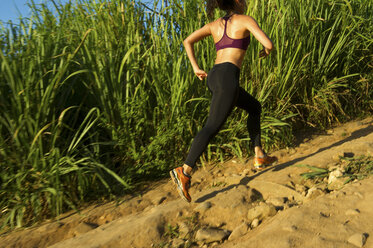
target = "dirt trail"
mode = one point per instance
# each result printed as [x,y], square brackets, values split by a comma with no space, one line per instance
[234,206]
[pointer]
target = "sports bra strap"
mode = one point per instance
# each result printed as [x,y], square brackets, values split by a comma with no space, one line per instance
[226,18]
[226,41]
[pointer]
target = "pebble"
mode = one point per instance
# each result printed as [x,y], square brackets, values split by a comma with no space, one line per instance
[177,243]
[239,231]
[245,172]
[314,193]
[358,239]
[352,212]
[261,212]
[211,234]
[277,201]
[233,179]
[255,223]
[84,227]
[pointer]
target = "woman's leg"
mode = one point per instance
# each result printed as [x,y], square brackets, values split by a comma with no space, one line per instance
[223,83]
[254,109]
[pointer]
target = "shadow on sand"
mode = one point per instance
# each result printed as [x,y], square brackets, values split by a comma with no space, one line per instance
[244,181]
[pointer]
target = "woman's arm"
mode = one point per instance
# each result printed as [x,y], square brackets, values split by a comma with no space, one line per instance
[258,33]
[189,48]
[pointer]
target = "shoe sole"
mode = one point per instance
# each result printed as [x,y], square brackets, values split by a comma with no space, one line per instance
[174,178]
[264,166]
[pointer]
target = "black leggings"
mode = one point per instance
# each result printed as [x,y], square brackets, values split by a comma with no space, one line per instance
[223,82]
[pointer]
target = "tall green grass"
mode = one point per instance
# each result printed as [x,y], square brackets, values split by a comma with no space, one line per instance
[95,96]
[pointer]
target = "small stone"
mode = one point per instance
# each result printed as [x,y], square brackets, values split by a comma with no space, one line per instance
[203,207]
[314,193]
[277,201]
[177,243]
[261,212]
[334,175]
[246,172]
[335,180]
[233,179]
[255,223]
[290,228]
[211,234]
[84,227]
[353,212]
[358,239]
[183,230]
[239,231]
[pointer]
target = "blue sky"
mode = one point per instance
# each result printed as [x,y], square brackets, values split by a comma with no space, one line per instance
[12,9]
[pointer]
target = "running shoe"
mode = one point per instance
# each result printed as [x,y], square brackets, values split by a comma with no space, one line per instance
[261,163]
[182,182]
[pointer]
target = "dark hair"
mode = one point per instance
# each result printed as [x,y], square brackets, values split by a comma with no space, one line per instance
[226,5]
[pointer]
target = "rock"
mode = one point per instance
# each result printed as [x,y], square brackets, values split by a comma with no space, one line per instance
[261,212]
[277,201]
[335,179]
[237,196]
[233,179]
[255,223]
[177,243]
[352,212]
[313,193]
[203,207]
[239,231]
[84,227]
[210,234]
[358,239]
[183,230]
[245,172]
[268,189]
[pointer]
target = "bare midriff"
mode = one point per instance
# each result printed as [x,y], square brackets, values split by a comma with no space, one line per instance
[232,55]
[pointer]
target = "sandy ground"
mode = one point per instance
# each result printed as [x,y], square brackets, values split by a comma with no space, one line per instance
[235,206]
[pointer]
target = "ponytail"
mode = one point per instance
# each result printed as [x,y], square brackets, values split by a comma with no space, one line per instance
[226,5]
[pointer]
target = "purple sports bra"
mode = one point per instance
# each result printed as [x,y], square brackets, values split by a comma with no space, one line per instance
[226,41]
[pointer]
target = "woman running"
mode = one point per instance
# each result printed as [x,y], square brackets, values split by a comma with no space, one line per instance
[231,35]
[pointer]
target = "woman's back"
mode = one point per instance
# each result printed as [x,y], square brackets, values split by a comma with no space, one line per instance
[237,28]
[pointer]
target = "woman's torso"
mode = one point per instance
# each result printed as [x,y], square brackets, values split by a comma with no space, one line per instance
[234,30]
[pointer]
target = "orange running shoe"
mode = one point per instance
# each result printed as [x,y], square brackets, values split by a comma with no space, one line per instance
[261,163]
[182,182]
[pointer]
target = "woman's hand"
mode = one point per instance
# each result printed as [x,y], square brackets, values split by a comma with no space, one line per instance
[201,74]
[263,53]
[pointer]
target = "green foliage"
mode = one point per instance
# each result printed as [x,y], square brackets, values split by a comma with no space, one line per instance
[100,94]
[316,172]
[358,167]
